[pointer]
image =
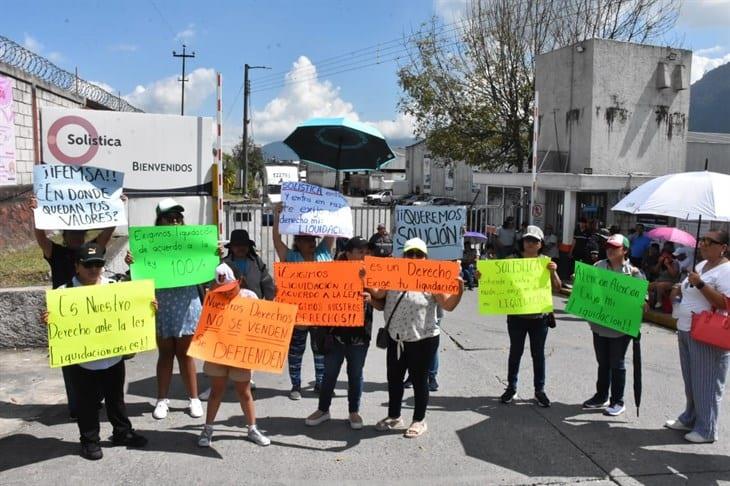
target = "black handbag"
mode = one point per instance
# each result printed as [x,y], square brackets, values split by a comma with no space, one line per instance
[381,340]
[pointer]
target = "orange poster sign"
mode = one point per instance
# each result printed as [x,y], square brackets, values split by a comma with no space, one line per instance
[433,276]
[327,293]
[243,332]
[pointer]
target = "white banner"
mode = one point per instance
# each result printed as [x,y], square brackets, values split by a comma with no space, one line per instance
[158,153]
[8,164]
[441,227]
[314,210]
[77,198]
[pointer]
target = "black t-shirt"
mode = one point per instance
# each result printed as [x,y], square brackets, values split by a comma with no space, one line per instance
[358,331]
[580,251]
[382,245]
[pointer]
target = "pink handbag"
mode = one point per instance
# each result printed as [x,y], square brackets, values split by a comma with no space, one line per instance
[712,327]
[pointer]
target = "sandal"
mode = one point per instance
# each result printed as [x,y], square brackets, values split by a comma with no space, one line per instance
[416,430]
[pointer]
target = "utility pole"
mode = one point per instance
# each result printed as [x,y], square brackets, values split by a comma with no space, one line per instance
[183,79]
[246,96]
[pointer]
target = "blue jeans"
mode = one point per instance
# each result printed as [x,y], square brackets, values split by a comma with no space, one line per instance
[469,275]
[296,351]
[518,328]
[355,355]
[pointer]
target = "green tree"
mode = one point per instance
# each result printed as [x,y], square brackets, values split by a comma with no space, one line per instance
[255,162]
[470,87]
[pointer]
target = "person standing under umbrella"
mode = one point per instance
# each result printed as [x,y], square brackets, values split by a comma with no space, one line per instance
[704,367]
[305,249]
[611,346]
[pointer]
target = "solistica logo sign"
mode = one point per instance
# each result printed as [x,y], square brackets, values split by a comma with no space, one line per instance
[91,138]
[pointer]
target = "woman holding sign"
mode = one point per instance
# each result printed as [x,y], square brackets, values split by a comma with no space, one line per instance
[611,346]
[413,338]
[519,326]
[305,249]
[177,318]
[349,343]
[704,367]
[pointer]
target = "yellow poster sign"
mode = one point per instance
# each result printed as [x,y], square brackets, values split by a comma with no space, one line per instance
[100,321]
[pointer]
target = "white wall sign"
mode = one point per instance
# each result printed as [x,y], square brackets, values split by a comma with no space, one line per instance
[73,197]
[314,210]
[441,227]
[159,154]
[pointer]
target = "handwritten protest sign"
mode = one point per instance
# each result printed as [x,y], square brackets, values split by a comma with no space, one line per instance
[174,256]
[433,276]
[100,321]
[515,286]
[243,332]
[314,210]
[77,197]
[441,227]
[327,293]
[611,299]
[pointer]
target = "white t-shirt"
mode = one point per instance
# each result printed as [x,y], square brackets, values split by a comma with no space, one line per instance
[692,299]
[415,316]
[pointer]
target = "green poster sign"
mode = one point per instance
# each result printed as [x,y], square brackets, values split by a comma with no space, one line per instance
[515,286]
[607,298]
[174,256]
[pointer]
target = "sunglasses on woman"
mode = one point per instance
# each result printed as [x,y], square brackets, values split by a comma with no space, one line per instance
[173,217]
[92,264]
[414,254]
[707,241]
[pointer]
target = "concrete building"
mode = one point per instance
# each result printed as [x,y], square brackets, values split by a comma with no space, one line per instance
[612,116]
[711,147]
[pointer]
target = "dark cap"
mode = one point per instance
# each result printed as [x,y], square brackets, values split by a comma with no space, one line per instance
[356,243]
[90,252]
[240,237]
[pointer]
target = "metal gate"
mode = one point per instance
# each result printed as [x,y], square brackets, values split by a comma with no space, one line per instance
[257,219]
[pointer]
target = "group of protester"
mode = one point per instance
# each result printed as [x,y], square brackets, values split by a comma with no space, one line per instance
[412,326]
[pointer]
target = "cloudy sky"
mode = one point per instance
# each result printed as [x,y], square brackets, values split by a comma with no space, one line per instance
[327,57]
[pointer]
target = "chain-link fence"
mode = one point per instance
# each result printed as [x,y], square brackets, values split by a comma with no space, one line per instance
[19,57]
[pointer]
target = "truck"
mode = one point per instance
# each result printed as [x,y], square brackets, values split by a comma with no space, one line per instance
[274,177]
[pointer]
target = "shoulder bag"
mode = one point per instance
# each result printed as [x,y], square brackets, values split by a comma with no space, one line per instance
[381,339]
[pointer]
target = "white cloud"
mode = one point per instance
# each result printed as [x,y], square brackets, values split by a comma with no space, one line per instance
[103,86]
[305,97]
[186,34]
[450,10]
[709,50]
[705,13]
[32,44]
[701,64]
[163,95]
[55,57]
[122,47]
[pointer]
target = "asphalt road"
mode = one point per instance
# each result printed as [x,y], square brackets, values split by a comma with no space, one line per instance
[472,438]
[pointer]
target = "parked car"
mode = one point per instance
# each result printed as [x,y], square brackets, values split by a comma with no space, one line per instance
[445,201]
[381,198]
[406,200]
[423,200]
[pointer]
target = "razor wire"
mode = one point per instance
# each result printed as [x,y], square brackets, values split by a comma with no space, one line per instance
[17,56]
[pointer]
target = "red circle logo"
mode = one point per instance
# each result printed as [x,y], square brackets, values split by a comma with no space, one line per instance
[53,140]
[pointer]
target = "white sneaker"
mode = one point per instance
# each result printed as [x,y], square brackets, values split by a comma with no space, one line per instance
[205,395]
[355,421]
[677,425]
[195,408]
[317,418]
[255,436]
[614,410]
[206,436]
[161,408]
[696,438]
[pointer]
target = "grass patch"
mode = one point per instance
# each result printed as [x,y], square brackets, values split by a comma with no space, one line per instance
[23,268]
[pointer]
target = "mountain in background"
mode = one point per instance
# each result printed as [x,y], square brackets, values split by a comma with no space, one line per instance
[709,102]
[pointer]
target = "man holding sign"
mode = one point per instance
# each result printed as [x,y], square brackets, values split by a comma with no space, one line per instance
[105,375]
[613,305]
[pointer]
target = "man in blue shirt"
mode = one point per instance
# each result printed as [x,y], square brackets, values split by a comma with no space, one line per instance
[639,244]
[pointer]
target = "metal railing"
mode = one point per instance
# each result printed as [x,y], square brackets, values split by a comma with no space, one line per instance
[19,57]
[258,218]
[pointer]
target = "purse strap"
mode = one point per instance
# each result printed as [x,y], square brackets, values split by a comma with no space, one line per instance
[394,308]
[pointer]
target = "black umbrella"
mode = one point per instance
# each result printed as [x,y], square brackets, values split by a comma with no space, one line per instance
[340,144]
[637,372]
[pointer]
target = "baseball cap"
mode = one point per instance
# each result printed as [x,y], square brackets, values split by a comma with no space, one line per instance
[168,205]
[617,241]
[356,243]
[90,252]
[533,232]
[224,274]
[415,244]
[381,225]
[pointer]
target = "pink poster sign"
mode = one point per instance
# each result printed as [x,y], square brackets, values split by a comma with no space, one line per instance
[8,174]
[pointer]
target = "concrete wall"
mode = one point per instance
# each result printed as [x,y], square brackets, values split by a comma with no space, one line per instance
[716,151]
[20,323]
[602,99]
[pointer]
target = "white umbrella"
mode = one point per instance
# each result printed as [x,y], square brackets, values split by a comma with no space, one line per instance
[691,196]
